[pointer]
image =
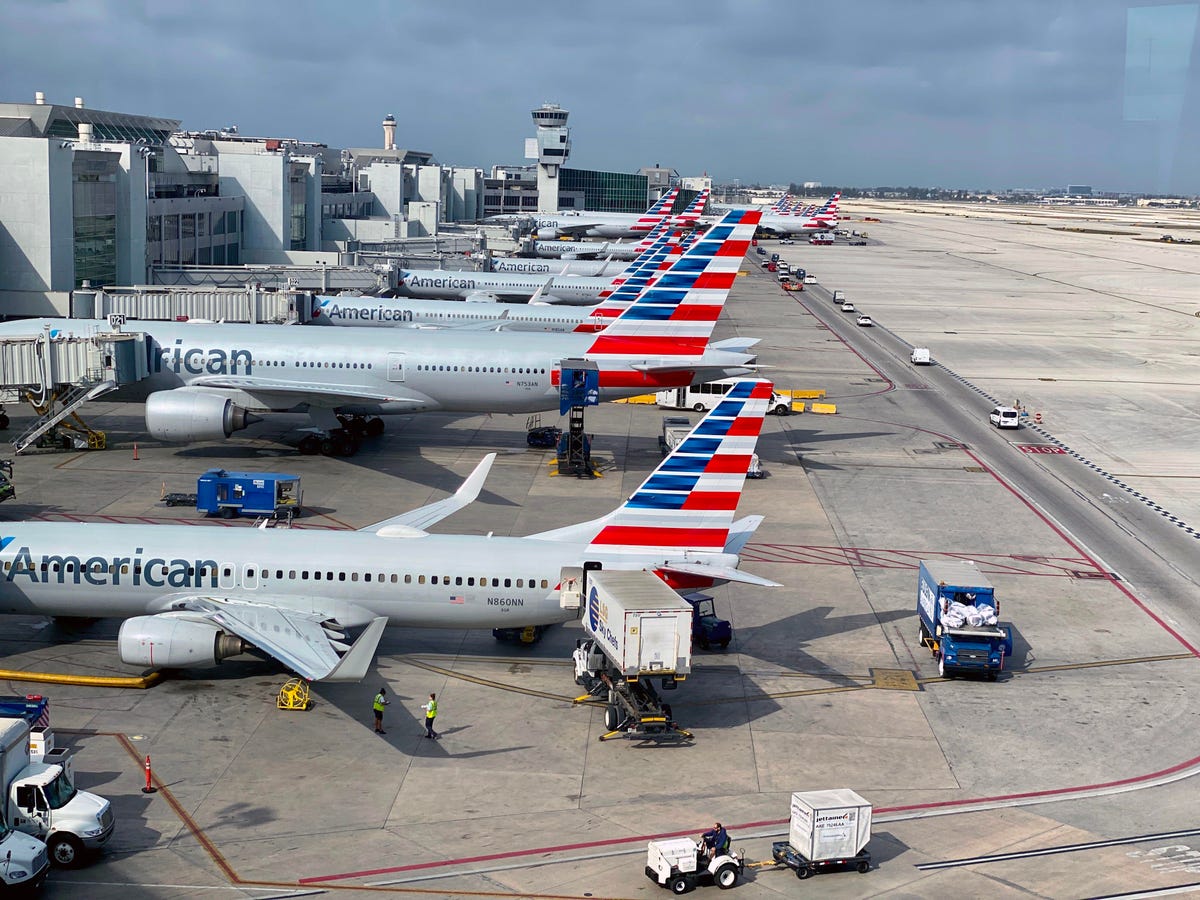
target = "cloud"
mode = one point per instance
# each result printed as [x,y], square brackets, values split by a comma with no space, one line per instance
[867,92]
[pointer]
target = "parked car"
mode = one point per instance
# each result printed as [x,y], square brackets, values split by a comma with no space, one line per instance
[1005,417]
[847,306]
[865,321]
[786,241]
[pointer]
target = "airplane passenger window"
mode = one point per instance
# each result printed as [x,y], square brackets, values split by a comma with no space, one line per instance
[304,575]
[292,574]
[545,583]
[433,579]
[316,576]
[249,573]
[407,579]
[520,582]
[366,576]
[471,582]
[393,578]
[458,580]
[420,579]
[341,576]
[508,582]
[354,576]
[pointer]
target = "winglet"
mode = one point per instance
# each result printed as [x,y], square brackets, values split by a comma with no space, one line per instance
[353,666]
[431,513]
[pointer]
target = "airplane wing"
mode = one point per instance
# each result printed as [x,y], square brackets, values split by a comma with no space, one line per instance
[298,640]
[299,391]
[424,516]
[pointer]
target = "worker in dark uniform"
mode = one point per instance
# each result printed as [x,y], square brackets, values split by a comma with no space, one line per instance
[716,841]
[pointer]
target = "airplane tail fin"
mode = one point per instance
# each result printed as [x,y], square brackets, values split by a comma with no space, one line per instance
[689,501]
[675,315]
[695,209]
[658,211]
[635,279]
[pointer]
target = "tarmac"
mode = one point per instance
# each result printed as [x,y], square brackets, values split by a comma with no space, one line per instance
[1070,777]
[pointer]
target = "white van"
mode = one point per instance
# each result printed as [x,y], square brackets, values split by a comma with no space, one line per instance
[703,397]
[1005,417]
[920,357]
[810,279]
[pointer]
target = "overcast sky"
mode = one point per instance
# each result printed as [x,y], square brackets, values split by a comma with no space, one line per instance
[951,93]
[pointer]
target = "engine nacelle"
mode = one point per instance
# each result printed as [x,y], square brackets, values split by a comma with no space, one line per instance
[189,415]
[547,234]
[168,641]
[481,297]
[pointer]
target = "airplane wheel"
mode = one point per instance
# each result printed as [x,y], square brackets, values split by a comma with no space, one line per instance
[374,427]
[310,445]
[357,427]
[326,446]
[3,421]
[343,445]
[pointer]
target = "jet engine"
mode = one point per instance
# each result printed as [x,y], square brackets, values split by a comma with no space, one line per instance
[481,297]
[547,234]
[190,415]
[167,641]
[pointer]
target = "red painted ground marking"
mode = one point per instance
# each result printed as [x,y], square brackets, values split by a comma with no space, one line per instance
[995,564]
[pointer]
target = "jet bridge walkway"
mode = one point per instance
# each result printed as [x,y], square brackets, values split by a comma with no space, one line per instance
[57,372]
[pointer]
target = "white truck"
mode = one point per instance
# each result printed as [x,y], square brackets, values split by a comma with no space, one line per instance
[676,428]
[23,861]
[639,630]
[40,797]
[678,864]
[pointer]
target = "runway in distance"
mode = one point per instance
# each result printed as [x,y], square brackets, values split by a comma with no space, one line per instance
[208,381]
[192,597]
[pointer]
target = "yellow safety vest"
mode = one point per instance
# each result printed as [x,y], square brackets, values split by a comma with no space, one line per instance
[379,702]
[432,711]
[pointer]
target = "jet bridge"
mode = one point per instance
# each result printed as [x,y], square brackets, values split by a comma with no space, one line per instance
[57,373]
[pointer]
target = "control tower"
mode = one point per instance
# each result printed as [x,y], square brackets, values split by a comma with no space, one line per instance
[550,148]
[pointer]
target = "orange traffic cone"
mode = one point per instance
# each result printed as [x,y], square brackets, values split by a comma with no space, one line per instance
[135,456]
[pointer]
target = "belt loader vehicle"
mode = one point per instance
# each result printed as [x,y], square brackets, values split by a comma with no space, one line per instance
[958,609]
[38,795]
[639,631]
[828,830]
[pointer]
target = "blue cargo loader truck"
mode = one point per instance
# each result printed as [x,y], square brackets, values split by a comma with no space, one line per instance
[958,609]
[232,494]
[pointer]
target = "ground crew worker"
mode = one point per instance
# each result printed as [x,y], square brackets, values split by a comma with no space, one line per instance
[430,714]
[716,841]
[378,705]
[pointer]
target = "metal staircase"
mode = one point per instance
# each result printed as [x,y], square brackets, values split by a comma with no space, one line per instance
[70,400]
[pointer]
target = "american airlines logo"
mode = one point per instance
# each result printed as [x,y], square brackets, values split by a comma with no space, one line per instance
[451,282]
[198,360]
[53,568]
[525,266]
[365,313]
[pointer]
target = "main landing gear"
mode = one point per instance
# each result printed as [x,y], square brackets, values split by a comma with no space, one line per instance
[343,441]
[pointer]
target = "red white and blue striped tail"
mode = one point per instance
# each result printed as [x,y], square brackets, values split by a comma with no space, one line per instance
[695,209]
[689,501]
[656,213]
[640,274]
[674,316]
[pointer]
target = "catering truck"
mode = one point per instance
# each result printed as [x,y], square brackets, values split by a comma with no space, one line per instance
[39,796]
[959,613]
[639,631]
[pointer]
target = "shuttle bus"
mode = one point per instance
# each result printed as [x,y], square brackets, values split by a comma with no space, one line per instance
[703,397]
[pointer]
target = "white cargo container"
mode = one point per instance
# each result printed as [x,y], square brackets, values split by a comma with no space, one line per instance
[829,824]
[643,626]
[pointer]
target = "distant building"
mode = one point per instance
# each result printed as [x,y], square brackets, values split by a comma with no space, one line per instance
[1079,190]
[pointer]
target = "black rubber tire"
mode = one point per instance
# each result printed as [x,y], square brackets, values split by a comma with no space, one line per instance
[65,851]
[803,872]
[228,512]
[326,447]
[698,407]
[782,410]
[863,867]
[3,421]
[726,876]
[612,717]
[374,427]
[724,643]
[310,445]
[680,884]
[343,445]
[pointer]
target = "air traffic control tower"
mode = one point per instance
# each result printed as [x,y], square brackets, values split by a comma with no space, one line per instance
[550,148]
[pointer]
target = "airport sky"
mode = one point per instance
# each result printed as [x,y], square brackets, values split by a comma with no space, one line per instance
[948,93]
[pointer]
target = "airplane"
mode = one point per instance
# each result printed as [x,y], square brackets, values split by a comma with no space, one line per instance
[591,258]
[824,219]
[555,318]
[206,381]
[192,599]
[579,223]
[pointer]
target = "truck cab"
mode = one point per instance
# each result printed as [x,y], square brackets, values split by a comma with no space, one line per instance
[40,798]
[707,628]
[23,861]
[959,616]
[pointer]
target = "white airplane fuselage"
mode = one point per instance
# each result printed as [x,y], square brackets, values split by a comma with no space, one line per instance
[411,370]
[450,285]
[451,581]
[402,312]
[590,268]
